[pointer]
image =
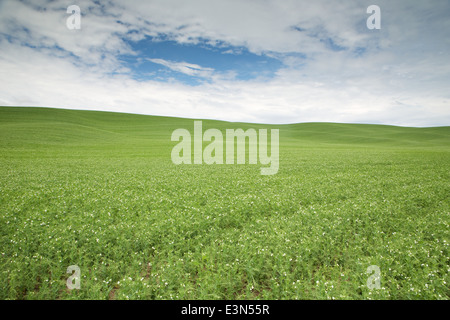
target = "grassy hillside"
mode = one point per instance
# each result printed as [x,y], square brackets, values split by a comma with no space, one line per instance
[99,190]
[39,126]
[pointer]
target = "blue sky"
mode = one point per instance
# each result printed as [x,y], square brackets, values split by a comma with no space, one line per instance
[237,60]
[219,59]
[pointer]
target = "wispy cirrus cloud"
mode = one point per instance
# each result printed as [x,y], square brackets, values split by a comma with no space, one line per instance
[189,69]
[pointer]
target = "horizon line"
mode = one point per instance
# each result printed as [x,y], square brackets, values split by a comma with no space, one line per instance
[221,120]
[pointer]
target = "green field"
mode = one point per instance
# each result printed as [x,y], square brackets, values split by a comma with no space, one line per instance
[99,190]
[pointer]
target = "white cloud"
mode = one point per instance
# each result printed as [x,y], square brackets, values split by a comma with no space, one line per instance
[402,77]
[186,68]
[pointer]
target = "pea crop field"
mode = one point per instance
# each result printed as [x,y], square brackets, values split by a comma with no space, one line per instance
[99,190]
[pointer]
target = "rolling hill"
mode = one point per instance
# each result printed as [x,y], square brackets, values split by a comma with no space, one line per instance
[61,127]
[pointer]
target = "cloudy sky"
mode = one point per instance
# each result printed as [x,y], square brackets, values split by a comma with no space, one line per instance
[267,61]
